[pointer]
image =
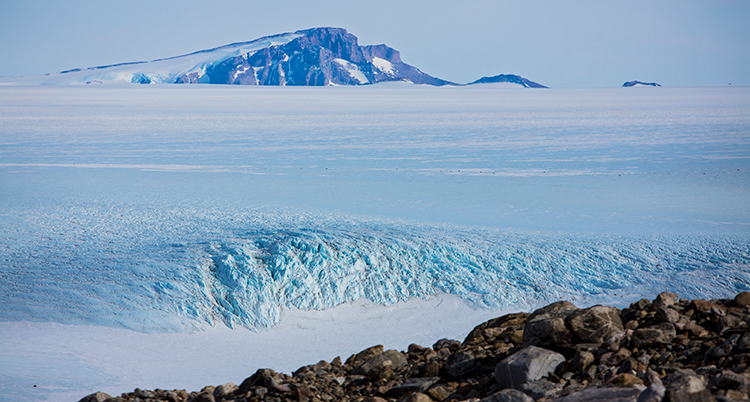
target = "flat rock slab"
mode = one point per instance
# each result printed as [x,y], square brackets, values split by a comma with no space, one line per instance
[603,394]
[528,364]
[508,395]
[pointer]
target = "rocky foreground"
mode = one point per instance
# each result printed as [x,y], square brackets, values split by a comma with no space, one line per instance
[668,349]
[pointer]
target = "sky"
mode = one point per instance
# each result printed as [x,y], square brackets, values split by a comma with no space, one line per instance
[565,44]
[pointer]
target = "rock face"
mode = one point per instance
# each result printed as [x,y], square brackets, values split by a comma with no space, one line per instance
[636,83]
[704,355]
[529,364]
[316,57]
[509,78]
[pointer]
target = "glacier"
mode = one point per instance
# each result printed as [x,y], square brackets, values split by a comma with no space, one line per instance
[182,214]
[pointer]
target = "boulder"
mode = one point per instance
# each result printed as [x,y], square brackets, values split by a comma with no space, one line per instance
[685,385]
[666,299]
[742,300]
[660,334]
[581,360]
[541,389]
[528,364]
[258,379]
[358,358]
[487,331]
[595,324]
[381,365]
[508,395]
[95,397]
[667,314]
[654,393]
[460,364]
[545,327]
[223,390]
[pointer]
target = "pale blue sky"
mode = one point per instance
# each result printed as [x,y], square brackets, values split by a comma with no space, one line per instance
[556,43]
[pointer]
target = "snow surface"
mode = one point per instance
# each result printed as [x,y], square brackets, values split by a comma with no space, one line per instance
[353,70]
[383,65]
[137,215]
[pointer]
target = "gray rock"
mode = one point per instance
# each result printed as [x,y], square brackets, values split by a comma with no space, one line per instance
[223,390]
[603,394]
[595,324]
[666,299]
[508,395]
[541,389]
[412,385]
[685,385]
[381,365]
[460,364]
[731,380]
[528,364]
[95,397]
[654,393]
[660,334]
[546,328]
[204,397]
[667,314]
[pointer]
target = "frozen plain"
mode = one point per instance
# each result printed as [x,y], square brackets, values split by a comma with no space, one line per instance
[139,220]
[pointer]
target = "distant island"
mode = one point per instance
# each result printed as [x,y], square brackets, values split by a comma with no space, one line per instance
[310,57]
[508,78]
[639,83]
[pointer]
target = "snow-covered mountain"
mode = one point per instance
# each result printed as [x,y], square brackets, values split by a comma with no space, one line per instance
[509,79]
[312,57]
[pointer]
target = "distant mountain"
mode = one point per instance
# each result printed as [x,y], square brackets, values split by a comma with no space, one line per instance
[508,78]
[312,57]
[638,83]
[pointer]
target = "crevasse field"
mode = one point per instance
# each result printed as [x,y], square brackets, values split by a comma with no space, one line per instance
[179,236]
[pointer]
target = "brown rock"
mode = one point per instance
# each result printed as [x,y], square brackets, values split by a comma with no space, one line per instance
[479,332]
[440,393]
[416,397]
[358,358]
[742,300]
[581,360]
[626,380]
[375,399]
[303,393]
[613,359]
[430,369]
[546,327]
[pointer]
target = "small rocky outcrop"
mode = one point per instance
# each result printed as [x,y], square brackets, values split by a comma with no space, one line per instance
[666,349]
[637,83]
[508,78]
